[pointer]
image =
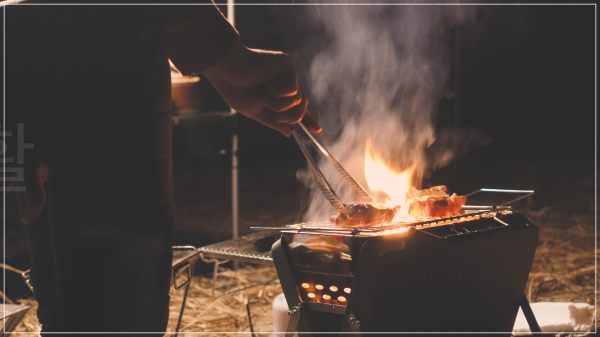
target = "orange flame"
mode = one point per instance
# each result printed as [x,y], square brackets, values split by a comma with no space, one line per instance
[383,180]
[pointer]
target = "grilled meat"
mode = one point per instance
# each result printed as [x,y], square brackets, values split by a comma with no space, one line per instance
[364,215]
[435,202]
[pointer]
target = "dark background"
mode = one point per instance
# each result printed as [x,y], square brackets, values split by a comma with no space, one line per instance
[523,75]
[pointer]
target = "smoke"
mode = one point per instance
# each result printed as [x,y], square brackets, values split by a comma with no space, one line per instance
[380,76]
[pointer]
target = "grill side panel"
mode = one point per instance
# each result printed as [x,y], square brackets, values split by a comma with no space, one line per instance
[420,283]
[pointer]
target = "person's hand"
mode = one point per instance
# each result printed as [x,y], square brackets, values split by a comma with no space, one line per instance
[262,85]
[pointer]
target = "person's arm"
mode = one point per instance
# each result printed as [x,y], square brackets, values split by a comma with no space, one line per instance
[196,36]
[260,84]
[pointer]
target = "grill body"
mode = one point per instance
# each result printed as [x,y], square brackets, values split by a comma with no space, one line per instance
[466,277]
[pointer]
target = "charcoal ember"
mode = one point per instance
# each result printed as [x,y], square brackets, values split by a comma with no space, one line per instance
[364,215]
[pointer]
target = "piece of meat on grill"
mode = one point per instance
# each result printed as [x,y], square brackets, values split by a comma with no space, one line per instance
[426,193]
[364,215]
[435,202]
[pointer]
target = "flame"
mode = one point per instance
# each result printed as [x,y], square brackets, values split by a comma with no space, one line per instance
[383,180]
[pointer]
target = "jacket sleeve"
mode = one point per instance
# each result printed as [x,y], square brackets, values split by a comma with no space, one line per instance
[195,36]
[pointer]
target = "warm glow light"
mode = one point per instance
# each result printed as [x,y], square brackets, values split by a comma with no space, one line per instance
[382,179]
[347,290]
[311,295]
[326,297]
[341,299]
[333,288]
[305,285]
[319,287]
[178,78]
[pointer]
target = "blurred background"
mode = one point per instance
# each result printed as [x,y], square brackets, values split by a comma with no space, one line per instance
[521,77]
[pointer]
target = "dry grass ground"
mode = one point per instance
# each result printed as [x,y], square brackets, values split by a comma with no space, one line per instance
[564,267]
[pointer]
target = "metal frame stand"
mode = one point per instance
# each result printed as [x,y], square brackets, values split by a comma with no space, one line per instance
[235,226]
[182,274]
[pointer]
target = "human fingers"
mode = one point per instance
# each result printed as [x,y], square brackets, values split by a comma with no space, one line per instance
[269,119]
[285,82]
[293,115]
[278,103]
[311,123]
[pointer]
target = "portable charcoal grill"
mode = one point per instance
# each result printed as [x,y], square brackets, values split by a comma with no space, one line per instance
[459,274]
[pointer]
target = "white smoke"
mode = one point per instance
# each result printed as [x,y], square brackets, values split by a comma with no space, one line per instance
[380,76]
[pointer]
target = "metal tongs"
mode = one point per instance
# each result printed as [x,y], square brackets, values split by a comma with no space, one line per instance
[298,130]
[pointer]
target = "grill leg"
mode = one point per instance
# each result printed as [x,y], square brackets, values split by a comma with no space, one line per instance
[281,259]
[215,275]
[185,293]
[292,328]
[529,316]
[302,319]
